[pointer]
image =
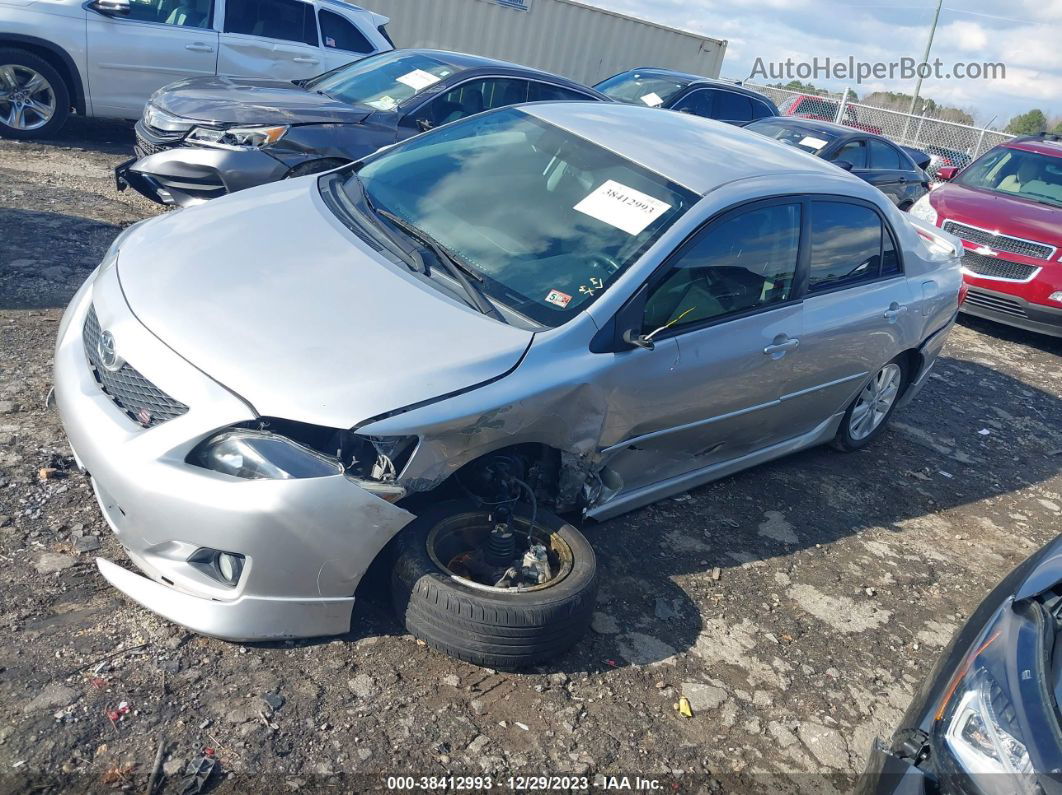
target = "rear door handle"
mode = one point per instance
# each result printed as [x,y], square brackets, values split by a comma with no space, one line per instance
[199,47]
[781,345]
[304,59]
[894,311]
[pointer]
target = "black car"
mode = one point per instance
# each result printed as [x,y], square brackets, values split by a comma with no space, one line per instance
[987,718]
[897,171]
[701,96]
[204,137]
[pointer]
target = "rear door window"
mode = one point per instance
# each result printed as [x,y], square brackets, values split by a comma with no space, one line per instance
[287,20]
[546,92]
[338,33]
[883,157]
[846,245]
[730,106]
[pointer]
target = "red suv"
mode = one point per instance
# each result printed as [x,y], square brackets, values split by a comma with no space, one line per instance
[1007,208]
[807,106]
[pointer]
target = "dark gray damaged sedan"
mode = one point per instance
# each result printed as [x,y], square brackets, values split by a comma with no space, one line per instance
[204,137]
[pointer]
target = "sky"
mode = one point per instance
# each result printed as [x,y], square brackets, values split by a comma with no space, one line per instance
[1025,35]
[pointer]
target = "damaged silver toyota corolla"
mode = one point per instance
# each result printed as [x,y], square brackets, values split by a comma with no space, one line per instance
[543,309]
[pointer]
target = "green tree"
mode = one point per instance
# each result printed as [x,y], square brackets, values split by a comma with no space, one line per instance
[1029,123]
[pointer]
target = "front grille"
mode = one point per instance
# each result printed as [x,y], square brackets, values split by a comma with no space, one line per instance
[1013,245]
[995,303]
[144,147]
[140,399]
[995,268]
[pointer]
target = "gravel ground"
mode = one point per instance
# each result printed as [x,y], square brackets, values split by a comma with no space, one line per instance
[797,605]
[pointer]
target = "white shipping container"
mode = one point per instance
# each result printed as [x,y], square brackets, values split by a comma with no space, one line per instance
[572,39]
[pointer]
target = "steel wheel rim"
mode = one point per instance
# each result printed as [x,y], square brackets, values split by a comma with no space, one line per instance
[27,99]
[874,402]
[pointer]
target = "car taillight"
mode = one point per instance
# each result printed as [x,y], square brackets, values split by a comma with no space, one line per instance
[963,290]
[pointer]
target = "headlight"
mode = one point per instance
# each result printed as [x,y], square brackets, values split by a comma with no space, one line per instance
[258,455]
[978,731]
[924,211]
[237,137]
[161,120]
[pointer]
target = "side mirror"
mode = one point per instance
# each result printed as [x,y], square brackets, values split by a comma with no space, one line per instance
[638,340]
[947,173]
[111,8]
[424,125]
[847,165]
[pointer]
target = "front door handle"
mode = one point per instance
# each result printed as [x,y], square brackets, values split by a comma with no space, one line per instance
[304,59]
[781,345]
[199,47]
[894,311]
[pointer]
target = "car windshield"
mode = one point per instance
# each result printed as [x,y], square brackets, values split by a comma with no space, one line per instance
[1030,175]
[383,81]
[642,88]
[547,218]
[813,141]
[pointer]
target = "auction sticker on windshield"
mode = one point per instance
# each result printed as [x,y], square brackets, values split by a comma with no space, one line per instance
[558,298]
[622,207]
[652,99]
[812,143]
[418,79]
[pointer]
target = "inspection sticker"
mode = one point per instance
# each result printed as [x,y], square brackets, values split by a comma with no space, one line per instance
[813,142]
[383,103]
[558,298]
[418,79]
[622,207]
[653,100]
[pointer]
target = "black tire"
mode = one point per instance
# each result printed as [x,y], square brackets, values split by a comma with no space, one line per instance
[10,56]
[849,443]
[315,167]
[492,628]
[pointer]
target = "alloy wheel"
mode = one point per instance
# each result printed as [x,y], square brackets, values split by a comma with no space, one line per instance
[875,402]
[27,100]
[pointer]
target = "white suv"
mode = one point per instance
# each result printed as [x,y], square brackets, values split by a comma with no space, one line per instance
[106,57]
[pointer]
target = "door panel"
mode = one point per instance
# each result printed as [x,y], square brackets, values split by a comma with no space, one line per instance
[129,59]
[725,302]
[270,38]
[852,325]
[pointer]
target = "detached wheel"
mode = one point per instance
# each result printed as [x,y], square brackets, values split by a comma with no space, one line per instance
[870,412]
[34,99]
[443,592]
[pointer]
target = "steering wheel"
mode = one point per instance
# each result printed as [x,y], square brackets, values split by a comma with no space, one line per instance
[603,262]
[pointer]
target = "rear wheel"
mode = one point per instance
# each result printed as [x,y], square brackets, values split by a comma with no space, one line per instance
[445,585]
[34,99]
[872,408]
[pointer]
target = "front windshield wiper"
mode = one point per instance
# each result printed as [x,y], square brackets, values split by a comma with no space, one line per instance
[459,270]
[410,254]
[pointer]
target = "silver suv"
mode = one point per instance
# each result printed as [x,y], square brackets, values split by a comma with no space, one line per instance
[106,57]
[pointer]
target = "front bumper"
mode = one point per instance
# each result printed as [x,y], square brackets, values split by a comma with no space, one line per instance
[1013,311]
[307,543]
[189,175]
[888,774]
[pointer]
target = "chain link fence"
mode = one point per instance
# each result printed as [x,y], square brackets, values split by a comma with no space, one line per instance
[947,143]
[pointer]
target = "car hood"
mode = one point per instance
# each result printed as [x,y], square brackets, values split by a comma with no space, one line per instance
[268,294]
[230,100]
[996,211]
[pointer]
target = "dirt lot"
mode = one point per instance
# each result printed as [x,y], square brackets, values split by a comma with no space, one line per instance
[797,604]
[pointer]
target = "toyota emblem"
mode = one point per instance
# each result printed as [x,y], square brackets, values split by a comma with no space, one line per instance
[109,357]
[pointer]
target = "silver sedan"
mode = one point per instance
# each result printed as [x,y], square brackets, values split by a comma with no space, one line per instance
[544,309]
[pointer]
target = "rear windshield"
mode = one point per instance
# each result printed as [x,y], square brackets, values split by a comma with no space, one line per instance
[1029,175]
[548,218]
[812,141]
[642,88]
[382,81]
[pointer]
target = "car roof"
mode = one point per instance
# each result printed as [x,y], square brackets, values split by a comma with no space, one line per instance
[699,153]
[714,82]
[1043,145]
[825,127]
[467,62]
